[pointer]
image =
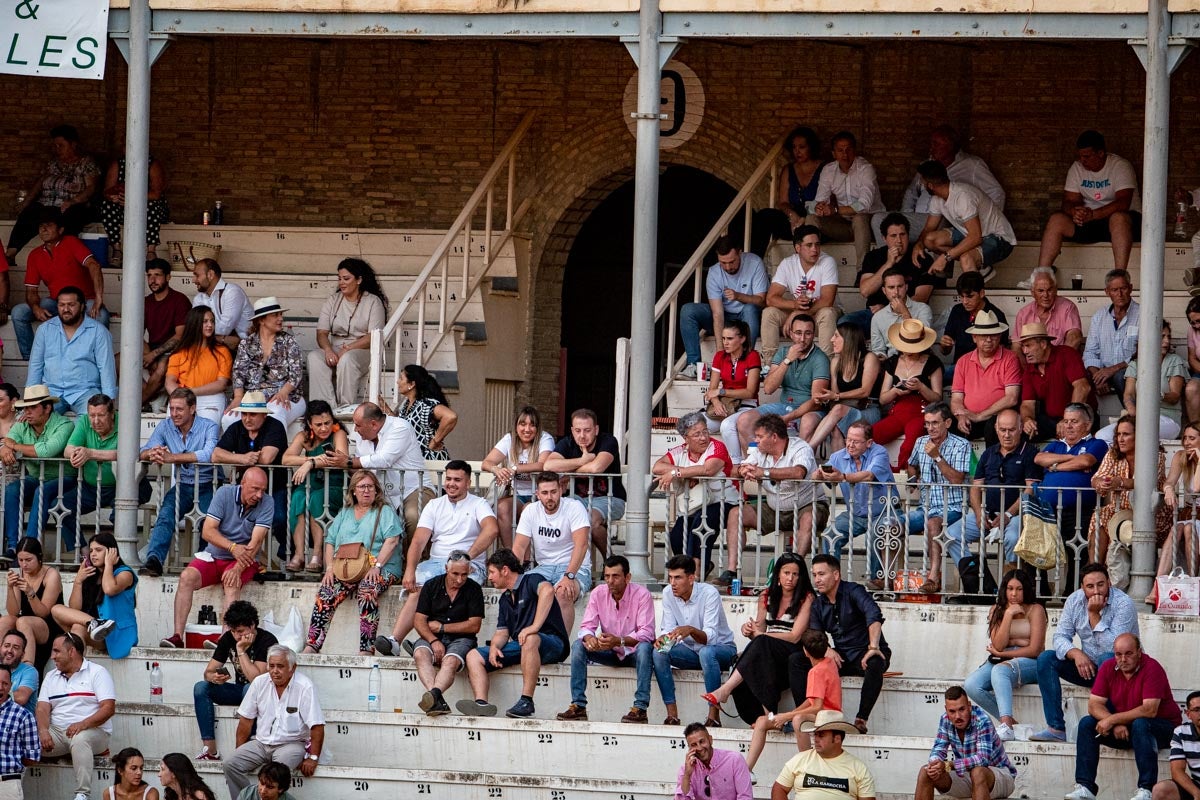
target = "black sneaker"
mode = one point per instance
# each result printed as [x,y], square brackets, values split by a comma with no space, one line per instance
[726,578]
[438,709]
[428,701]
[409,646]
[152,567]
[99,629]
[386,646]
[473,708]
[522,710]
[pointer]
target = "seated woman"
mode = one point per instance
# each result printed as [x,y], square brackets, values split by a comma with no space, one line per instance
[851,396]
[911,378]
[319,454]
[180,781]
[337,369]
[761,673]
[515,459]
[269,361]
[1113,483]
[67,183]
[112,207]
[1181,494]
[1173,375]
[129,781]
[733,388]
[369,521]
[103,599]
[797,190]
[201,364]
[33,591]
[423,405]
[699,459]
[1016,637]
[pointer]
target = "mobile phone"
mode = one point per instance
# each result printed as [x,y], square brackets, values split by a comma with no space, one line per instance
[827,467]
[224,671]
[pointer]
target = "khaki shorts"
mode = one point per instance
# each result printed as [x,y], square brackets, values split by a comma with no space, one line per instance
[787,519]
[960,786]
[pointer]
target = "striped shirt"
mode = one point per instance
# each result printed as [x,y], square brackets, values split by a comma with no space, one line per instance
[18,738]
[75,697]
[1185,746]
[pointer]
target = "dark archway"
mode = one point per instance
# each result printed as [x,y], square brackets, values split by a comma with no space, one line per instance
[598,276]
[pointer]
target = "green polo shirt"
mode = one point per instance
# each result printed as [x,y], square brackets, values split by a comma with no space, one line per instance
[50,444]
[85,435]
[796,387]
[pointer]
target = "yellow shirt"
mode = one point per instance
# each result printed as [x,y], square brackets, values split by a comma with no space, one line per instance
[816,778]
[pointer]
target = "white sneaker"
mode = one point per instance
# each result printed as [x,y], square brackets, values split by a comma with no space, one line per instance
[688,373]
[1005,732]
[1025,284]
[1141,794]
[753,778]
[81,796]
[1080,792]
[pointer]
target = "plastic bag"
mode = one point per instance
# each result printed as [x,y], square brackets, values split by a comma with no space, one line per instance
[291,633]
[1178,594]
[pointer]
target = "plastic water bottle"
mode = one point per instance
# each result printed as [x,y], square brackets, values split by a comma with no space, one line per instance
[373,688]
[1180,220]
[156,687]
[218,217]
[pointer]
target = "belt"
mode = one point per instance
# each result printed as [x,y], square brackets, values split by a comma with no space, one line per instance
[15,776]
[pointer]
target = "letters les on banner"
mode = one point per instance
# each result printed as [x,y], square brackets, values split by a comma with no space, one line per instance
[54,38]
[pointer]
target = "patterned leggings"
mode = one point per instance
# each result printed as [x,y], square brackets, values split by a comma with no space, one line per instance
[330,597]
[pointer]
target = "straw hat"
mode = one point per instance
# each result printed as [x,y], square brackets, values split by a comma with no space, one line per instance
[911,336]
[253,403]
[828,721]
[1034,330]
[987,323]
[1120,527]
[36,395]
[266,306]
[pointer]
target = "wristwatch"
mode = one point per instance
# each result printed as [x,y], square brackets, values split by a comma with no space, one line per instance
[311,757]
[570,576]
[767,474]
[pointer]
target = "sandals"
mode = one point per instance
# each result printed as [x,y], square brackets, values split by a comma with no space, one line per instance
[315,565]
[711,699]
[931,586]
[295,564]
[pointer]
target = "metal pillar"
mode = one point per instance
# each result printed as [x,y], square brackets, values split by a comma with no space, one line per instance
[645,261]
[133,267]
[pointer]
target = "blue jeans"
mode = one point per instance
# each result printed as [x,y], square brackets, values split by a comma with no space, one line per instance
[1146,737]
[642,661]
[38,497]
[966,532]
[169,516]
[712,660]
[845,527]
[1050,670]
[207,696]
[22,319]
[89,500]
[551,649]
[991,686]
[694,317]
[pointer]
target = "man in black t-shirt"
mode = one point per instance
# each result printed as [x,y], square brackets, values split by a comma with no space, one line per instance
[971,301]
[449,614]
[259,440]
[247,645]
[588,451]
[895,255]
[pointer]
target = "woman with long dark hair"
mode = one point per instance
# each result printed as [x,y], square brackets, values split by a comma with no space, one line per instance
[514,460]
[1113,483]
[33,591]
[337,369]
[201,364]
[128,784]
[423,405]
[180,780]
[319,454]
[851,396]
[101,610]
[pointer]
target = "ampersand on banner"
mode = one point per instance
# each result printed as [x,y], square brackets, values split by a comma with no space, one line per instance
[29,12]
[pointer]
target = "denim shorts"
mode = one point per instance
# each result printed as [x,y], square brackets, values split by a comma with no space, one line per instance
[554,572]
[430,569]
[609,506]
[552,650]
[994,248]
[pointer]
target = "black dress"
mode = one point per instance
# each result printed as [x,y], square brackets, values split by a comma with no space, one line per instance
[763,666]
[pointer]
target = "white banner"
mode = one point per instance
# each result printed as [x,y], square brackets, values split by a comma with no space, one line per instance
[54,38]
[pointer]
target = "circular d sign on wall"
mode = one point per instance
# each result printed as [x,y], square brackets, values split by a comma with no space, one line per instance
[682,100]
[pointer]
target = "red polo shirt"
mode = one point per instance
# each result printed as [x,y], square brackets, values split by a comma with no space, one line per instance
[982,386]
[1053,389]
[60,267]
[1149,682]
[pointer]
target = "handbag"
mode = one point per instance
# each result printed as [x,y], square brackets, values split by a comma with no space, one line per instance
[1040,544]
[352,561]
[721,407]
[1178,594]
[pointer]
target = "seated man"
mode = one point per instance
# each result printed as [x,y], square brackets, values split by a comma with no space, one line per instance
[618,623]
[1058,314]
[1191,390]
[798,371]
[827,764]
[75,709]
[736,287]
[1185,767]
[795,506]
[1131,707]
[695,634]
[1097,613]
[235,528]
[847,196]
[1069,464]
[37,440]
[529,632]
[864,474]
[1113,335]
[187,440]
[986,381]
[1100,204]
[449,615]
[389,446]
[247,645]
[1054,378]
[458,520]
[979,236]
[967,758]
[940,463]
[709,772]
[971,300]
[24,676]
[899,307]
[894,254]
[60,261]
[165,310]
[290,724]
[258,439]
[22,747]
[1005,471]
[586,450]
[553,533]
[804,283]
[230,306]
[73,355]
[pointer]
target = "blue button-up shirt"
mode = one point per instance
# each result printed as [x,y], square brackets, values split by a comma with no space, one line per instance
[18,738]
[865,498]
[76,368]
[201,439]
[1110,342]
[1118,616]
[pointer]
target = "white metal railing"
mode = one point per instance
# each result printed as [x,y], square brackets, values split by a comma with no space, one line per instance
[693,272]
[438,268]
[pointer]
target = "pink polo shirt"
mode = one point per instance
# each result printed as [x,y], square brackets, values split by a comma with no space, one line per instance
[982,386]
[634,616]
[1064,316]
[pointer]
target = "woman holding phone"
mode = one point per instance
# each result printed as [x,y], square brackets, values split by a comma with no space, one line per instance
[911,378]
[33,590]
[103,598]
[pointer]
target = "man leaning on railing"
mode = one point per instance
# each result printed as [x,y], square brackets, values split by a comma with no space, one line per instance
[39,439]
[864,475]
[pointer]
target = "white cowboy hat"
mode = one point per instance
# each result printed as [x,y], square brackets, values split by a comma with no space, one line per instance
[828,721]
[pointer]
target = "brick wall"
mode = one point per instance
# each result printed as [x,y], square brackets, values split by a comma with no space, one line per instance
[393,134]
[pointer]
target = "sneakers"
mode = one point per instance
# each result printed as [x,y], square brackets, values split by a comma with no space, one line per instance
[636,715]
[688,373]
[174,641]
[988,272]
[522,709]
[387,646]
[153,567]
[208,755]
[428,701]
[753,778]
[81,796]
[1141,794]
[576,713]
[475,708]
[409,647]
[99,629]
[1006,732]
[210,644]
[1081,792]
[725,578]
[1050,735]
[438,707]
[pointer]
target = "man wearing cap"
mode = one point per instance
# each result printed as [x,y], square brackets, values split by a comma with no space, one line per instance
[42,434]
[228,302]
[59,261]
[971,300]
[939,465]
[979,235]
[164,310]
[235,527]
[900,307]
[73,355]
[187,440]
[257,439]
[1054,377]
[711,773]
[986,381]
[1058,314]
[826,770]
[1113,335]
[968,757]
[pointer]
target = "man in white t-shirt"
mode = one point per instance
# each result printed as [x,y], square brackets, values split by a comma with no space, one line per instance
[458,520]
[847,196]
[979,236]
[804,283]
[1100,204]
[75,709]
[557,530]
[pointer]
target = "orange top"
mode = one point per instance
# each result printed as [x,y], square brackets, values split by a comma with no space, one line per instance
[200,366]
[825,682]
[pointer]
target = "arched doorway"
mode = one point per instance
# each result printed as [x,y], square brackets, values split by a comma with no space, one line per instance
[598,276]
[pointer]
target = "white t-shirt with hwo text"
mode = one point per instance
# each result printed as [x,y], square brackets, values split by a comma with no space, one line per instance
[550,535]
